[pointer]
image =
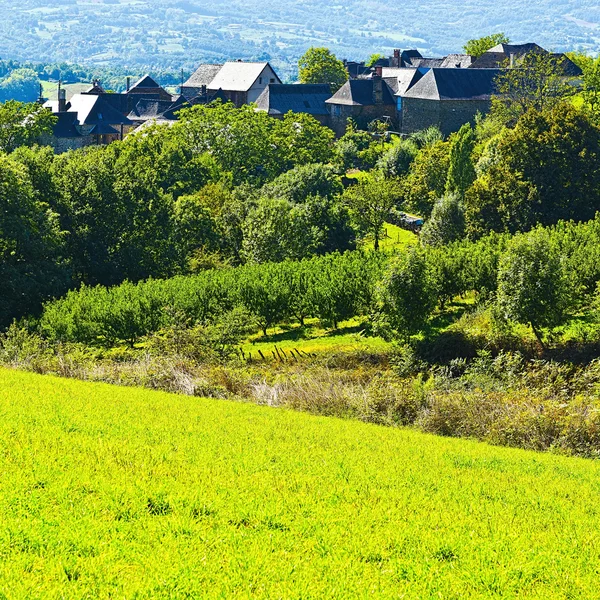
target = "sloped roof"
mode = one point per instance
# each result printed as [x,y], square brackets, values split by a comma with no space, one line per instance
[148,109]
[279,98]
[457,61]
[429,63]
[203,75]
[92,109]
[359,92]
[499,55]
[455,84]
[516,49]
[238,76]
[145,82]
[65,126]
[103,129]
[401,80]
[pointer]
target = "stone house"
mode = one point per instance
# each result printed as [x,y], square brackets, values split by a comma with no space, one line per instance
[278,99]
[364,101]
[199,81]
[238,81]
[84,120]
[447,98]
[243,82]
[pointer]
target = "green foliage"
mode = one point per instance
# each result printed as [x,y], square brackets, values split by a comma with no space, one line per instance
[544,170]
[590,89]
[479,46]
[23,124]
[352,150]
[446,223]
[461,172]
[397,159]
[370,202]
[533,287]
[33,265]
[333,287]
[373,59]
[426,179]
[537,83]
[319,65]
[305,181]
[21,85]
[407,296]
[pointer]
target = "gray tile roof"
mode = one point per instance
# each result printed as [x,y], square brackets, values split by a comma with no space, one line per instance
[402,79]
[203,75]
[66,125]
[457,61]
[455,84]
[145,82]
[238,76]
[279,98]
[359,92]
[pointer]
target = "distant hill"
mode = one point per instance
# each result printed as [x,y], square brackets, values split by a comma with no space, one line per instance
[180,33]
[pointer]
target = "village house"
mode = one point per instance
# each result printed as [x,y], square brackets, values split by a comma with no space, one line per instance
[278,99]
[84,120]
[240,82]
[447,99]
[364,101]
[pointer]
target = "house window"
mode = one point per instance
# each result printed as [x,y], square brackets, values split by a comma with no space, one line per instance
[272,80]
[399,104]
[337,110]
[260,80]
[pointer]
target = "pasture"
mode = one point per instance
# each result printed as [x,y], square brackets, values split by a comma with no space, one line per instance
[110,492]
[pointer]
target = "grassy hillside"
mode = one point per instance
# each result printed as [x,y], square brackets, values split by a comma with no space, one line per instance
[115,492]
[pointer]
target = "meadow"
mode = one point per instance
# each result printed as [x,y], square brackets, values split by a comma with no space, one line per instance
[110,492]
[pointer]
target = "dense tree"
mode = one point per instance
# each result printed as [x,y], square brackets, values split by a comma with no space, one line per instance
[396,160]
[533,287]
[446,223]
[21,85]
[537,82]
[370,202]
[23,124]
[319,65]
[298,184]
[301,139]
[461,172]
[32,260]
[406,295]
[481,45]
[426,179]
[544,170]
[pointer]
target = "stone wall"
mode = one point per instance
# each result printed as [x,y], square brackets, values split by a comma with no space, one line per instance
[362,115]
[448,115]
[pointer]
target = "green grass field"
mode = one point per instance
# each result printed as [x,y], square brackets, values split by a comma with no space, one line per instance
[110,492]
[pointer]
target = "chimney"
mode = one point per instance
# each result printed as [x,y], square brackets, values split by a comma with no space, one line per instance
[128,83]
[203,90]
[377,90]
[62,99]
[378,72]
[396,61]
[512,61]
